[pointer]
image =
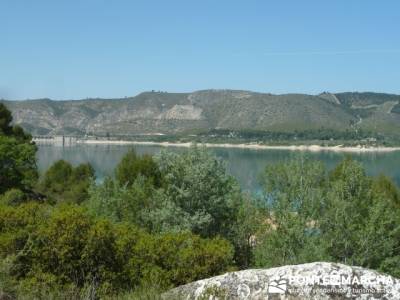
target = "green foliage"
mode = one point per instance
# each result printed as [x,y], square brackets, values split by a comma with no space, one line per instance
[17,224]
[173,258]
[7,129]
[366,218]
[196,196]
[5,120]
[118,203]
[132,166]
[384,185]
[13,197]
[17,155]
[146,292]
[64,183]
[196,184]
[64,247]
[245,225]
[294,195]
[7,282]
[17,164]
[200,197]
[344,216]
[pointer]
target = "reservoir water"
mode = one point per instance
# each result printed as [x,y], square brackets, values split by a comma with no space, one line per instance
[244,164]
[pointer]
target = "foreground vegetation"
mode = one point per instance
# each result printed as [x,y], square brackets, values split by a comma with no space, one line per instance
[171,219]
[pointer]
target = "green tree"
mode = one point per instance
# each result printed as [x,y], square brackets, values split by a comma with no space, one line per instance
[5,120]
[249,223]
[119,203]
[348,205]
[63,182]
[197,186]
[17,224]
[7,129]
[177,258]
[384,185]
[344,216]
[199,196]
[133,165]
[295,195]
[361,225]
[70,247]
[17,164]
[13,197]
[196,196]
[17,155]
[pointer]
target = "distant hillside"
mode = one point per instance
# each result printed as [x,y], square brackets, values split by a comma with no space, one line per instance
[171,113]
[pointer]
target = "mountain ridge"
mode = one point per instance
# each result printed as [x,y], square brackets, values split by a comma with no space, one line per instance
[204,110]
[204,90]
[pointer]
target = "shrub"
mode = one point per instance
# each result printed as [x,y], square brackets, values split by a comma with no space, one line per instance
[64,183]
[132,166]
[196,183]
[17,224]
[71,248]
[13,197]
[341,216]
[17,164]
[17,155]
[119,203]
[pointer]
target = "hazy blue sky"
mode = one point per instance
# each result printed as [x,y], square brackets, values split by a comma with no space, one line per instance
[87,48]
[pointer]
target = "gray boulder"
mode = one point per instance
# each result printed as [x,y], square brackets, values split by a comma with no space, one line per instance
[319,280]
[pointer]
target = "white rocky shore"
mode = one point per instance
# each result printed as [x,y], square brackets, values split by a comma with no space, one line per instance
[252,146]
[319,281]
[311,148]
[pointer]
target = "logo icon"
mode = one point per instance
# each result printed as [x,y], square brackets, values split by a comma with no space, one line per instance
[278,286]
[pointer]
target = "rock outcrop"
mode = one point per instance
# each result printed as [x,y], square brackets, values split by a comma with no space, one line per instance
[318,280]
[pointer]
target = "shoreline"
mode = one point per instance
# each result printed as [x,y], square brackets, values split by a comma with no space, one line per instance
[310,148]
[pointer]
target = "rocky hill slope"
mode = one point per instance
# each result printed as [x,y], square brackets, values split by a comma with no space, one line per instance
[170,113]
[319,281]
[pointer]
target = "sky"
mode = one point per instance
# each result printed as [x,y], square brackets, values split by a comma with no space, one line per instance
[73,49]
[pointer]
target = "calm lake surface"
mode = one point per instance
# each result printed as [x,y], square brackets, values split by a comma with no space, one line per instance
[244,164]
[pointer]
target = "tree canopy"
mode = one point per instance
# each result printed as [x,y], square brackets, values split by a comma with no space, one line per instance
[341,216]
[17,155]
[64,183]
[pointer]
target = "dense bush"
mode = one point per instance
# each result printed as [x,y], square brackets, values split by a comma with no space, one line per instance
[5,120]
[17,164]
[119,203]
[17,155]
[341,216]
[70,248]
[197,195]
[17,224]
[132,166]
[199,192]
[64,183]
[13,197]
